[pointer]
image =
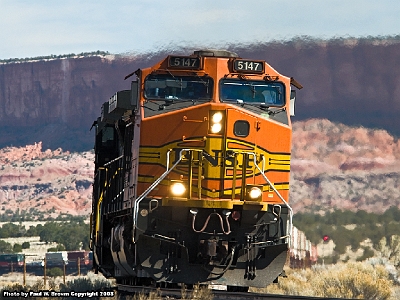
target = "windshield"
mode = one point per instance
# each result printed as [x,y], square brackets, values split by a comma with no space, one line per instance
[169,87]
[252,92]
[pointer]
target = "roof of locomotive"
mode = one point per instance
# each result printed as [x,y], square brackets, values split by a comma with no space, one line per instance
[215,53]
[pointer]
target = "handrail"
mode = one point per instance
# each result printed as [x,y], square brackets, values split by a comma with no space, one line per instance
[114,160]
[181,156]
[185,119]
[278,194]
[153,185]
[271,185]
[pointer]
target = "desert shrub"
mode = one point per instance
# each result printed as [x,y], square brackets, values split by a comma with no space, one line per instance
[368,253]
[390,248]
[297,282]
[331,259]
[58,248]
[85,284]
[73,235]
[334,223]
[198,292]
[37,286]
[5,247]
[351,281]
[142,296]
[11,230]
[13,287]
[356,280]
[17,248]
[90,283]
[55,272]
[26,245]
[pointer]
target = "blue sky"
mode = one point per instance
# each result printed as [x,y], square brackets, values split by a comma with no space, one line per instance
[43,27]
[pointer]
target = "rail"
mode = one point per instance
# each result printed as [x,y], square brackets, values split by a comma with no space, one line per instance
[217,294]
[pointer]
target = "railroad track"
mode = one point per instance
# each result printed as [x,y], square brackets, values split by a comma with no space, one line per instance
[168,293]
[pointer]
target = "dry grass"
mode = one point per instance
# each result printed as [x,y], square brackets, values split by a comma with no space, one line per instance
[90,282]
[198,293]
[17,277]
[352,280]
[14,281]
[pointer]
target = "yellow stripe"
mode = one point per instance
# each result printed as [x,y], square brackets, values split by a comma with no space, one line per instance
[273,161]
[213,167]
[100,201]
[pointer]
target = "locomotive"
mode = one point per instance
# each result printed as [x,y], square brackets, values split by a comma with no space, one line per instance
[192,167]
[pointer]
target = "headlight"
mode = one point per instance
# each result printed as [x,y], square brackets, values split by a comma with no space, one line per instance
[178,189]
[254,193]
[216,121]
[217,117]
[215,128]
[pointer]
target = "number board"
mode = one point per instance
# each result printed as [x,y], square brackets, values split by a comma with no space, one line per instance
[248,66]
[184,62]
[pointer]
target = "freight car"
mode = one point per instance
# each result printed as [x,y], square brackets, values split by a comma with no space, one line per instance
[56,259]
[11,262]
[192,166]
[79,257]
[302,253]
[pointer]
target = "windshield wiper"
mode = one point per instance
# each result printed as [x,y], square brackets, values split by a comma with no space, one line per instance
[169,102]
[201,79]
[206,84]
[253,90]
[260,106]
[274,112]
[171,74]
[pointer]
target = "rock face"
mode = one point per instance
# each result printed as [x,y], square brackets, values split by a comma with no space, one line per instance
[56,101]
[333,165]
[355,82]
[37,182]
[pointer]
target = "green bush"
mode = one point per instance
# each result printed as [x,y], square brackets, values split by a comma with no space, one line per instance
[72,234]
[85,284]
[335,224]
[56,249]
[5,247]
[368,253]
[54,272]
[26,245]
[17,248]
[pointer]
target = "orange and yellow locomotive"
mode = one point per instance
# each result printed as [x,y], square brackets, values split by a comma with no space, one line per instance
[192,174]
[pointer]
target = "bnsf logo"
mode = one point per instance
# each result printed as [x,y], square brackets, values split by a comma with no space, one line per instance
[216,158]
